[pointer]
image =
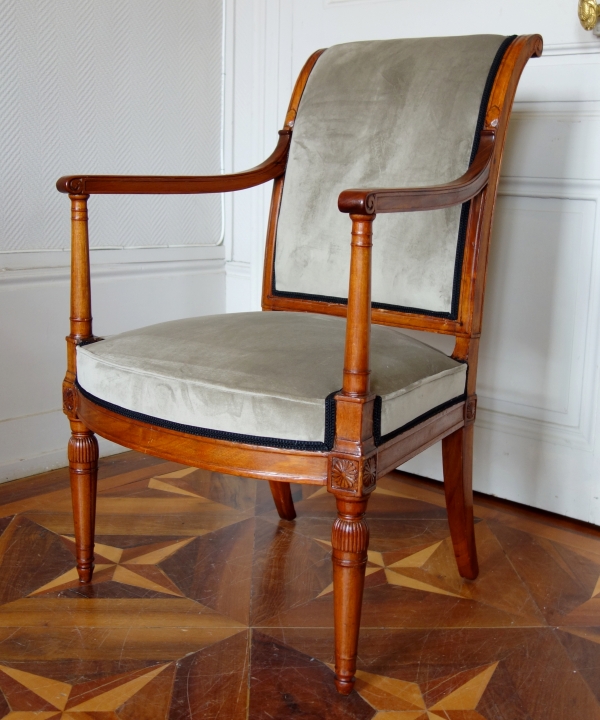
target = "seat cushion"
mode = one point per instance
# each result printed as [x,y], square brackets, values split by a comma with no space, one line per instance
[265,378]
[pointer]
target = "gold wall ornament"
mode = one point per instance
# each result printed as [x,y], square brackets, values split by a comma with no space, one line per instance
[589,12]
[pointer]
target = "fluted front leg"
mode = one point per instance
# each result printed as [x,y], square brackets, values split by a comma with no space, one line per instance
[350,541]
[83,470]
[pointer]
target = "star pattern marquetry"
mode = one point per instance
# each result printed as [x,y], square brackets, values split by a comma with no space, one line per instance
[406,572]
[398,573]
[165,483]
[130,566]
[34,697]
[414,565]
[396,699]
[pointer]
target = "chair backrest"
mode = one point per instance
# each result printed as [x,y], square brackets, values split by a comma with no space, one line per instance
[381,114]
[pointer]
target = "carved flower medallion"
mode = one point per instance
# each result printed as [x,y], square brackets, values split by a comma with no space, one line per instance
[344,473]
[68,399]
[370,472]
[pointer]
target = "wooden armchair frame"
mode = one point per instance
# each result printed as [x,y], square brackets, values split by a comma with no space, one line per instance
[350,470]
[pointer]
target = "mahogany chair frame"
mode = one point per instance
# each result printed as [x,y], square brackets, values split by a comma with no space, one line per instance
[350,470]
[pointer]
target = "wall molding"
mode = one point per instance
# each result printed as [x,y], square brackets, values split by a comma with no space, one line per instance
[236,268]
[559,188]
[518,419]
[576,48]
[568,110]
[26,276]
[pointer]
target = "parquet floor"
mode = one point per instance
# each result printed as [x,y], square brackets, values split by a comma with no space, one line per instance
[205,605]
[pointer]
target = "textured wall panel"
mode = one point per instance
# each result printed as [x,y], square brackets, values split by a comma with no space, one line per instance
[108,87]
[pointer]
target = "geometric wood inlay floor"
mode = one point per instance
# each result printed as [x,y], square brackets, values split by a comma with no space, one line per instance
[204,605]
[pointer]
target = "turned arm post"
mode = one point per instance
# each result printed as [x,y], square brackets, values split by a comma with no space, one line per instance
[81,295]
[81,299]
[358,324]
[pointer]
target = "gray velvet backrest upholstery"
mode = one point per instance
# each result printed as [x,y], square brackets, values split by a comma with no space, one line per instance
[384,114]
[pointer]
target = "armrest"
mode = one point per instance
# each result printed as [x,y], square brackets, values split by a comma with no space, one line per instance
[272,167]
[373,201]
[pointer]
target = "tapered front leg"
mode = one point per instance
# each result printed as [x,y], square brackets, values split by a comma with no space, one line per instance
[350,541]
[83,470]
[457,453]
[282,496]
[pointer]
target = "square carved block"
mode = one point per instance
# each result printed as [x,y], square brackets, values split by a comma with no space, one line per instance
[352,475]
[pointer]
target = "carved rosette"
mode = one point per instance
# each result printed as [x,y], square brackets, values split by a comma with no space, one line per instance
[470,409]
[344,473]
[350,535]
[75,186]
[69,400]
[370,472]
[83,448]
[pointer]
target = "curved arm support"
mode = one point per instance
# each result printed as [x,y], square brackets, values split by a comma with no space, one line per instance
[272,167]
[373,201]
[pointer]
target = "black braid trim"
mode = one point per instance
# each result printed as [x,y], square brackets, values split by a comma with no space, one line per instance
[380,440]
[282,444]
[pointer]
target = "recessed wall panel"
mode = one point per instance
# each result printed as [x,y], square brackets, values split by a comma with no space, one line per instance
[109,87]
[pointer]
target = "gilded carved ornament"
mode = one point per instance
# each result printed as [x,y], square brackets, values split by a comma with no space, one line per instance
[589,12]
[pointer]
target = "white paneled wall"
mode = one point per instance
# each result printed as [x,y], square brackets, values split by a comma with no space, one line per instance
[100,87]
[537,439]
[108,87]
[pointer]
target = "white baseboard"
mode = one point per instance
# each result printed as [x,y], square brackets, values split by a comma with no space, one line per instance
[19,457]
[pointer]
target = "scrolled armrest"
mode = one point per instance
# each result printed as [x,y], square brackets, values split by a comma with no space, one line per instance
[435,197]
[272,167]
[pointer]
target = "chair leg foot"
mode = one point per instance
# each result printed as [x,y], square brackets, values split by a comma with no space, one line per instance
[83,471]
[344,687]
[350,541]
[282,495]
[457,452]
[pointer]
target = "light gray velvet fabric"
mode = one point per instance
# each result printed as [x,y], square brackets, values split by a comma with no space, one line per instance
[263,374]
[391,113]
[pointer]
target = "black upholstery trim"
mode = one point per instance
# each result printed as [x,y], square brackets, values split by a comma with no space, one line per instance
[487,91]
[464,213]
[380,440]
[281,444]
[462,227]
[89,341]
[377,419]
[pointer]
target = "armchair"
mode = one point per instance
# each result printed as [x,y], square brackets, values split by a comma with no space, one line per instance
[323,387]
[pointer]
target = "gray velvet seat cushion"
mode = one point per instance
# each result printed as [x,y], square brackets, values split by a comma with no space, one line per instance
[264,374]
[377,114]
